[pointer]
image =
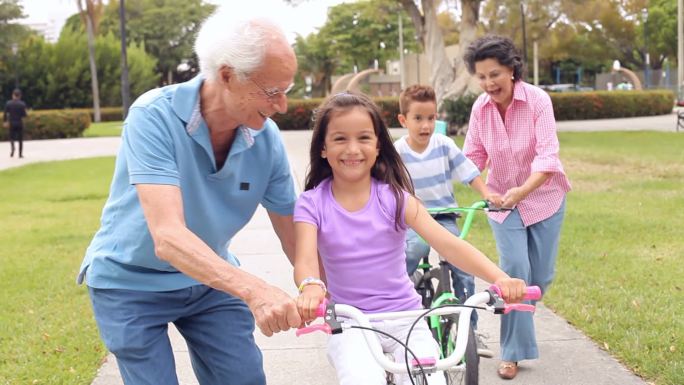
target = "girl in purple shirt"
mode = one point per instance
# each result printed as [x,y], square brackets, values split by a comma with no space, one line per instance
[354,213]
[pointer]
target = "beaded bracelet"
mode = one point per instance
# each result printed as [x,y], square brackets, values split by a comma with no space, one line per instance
[312,281]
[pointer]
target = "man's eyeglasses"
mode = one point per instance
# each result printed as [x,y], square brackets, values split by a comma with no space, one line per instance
[273,92]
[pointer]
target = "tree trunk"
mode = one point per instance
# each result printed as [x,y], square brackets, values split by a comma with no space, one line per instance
[467,33]
[449,79]
[441,69]
[91,57]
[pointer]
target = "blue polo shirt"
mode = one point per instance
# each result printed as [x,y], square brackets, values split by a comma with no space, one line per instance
[166,141]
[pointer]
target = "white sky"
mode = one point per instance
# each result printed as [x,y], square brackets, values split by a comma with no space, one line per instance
[302,19]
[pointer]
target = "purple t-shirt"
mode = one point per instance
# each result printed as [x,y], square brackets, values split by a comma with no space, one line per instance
[363,253]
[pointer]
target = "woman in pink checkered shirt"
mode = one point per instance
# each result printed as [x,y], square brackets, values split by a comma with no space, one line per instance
[512,132]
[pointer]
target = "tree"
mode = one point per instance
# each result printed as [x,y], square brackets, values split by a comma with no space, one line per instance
[354,36]
[449,79]
[165,28]
[662,31]
[315,61]
[90,17]
[57,76]
[365,32]
[12,34]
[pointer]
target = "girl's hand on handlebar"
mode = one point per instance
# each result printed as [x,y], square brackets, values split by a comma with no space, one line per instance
[512,289]
[308,301]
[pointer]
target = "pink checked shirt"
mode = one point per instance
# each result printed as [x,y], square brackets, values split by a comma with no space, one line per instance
[524,142]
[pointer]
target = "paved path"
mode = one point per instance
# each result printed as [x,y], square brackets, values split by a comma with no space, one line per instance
[568,357]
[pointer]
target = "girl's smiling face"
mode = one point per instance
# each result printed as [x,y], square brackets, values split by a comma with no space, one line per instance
[496,80]
[351,145]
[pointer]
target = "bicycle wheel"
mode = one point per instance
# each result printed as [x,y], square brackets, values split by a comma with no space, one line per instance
[467,373]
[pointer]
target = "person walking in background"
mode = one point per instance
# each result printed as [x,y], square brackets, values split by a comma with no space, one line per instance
[196,160]
[354,213]
[13,118]
[434,162]
[512,131]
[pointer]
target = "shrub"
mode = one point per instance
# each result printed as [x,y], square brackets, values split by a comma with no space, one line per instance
[53,124]
[580,105]
[107,114]
[457,110]
[611,104]
[300,113]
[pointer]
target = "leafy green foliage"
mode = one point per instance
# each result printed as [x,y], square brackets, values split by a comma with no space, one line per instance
[58,76]
[165,28]
[587,33]
[458,110]
[354,36]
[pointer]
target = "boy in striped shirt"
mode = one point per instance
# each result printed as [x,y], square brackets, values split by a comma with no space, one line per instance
[434,162]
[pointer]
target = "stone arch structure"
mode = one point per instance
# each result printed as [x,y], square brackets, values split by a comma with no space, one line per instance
[632,77]
[350,82]
[341,84]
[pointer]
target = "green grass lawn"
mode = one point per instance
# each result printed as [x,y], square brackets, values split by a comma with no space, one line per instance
[619,267]
[49,212]
[103,129]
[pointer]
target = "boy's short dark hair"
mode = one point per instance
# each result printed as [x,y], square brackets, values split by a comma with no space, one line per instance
[16,93]
[415,93]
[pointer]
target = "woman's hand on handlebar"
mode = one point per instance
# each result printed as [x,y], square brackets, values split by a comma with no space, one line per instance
[494,199]
[308,301]
[513,290]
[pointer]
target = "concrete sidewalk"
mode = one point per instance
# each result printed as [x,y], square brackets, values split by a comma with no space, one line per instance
[567,356]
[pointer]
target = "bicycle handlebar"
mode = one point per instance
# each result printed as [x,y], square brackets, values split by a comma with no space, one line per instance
[491,298]
[481,205]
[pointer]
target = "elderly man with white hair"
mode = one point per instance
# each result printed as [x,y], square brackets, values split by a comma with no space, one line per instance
[196,160]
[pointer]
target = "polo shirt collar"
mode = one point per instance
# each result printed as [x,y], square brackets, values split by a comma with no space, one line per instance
[186,97]
[186,104]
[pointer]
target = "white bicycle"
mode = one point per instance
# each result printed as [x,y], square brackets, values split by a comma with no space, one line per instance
[339,317]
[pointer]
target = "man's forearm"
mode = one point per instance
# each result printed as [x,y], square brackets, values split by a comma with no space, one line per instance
[191,256]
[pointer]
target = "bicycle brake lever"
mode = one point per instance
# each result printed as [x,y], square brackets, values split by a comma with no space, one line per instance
[325,328]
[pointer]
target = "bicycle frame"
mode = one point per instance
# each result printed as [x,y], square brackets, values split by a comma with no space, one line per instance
[443,294]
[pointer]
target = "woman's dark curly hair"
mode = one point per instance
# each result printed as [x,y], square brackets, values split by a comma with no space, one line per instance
[495,47]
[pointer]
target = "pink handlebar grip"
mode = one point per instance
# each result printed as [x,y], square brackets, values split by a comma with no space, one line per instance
[532,292]
[320,310]
[519,307]
[325,328]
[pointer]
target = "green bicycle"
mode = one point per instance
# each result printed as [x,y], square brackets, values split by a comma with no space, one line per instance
[433,284]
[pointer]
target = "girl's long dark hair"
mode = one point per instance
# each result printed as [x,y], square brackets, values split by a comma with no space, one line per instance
[388,167]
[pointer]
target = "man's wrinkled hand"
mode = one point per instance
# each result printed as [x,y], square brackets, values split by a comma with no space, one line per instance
[274,311]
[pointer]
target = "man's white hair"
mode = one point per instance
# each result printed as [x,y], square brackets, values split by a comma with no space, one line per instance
[236,39]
